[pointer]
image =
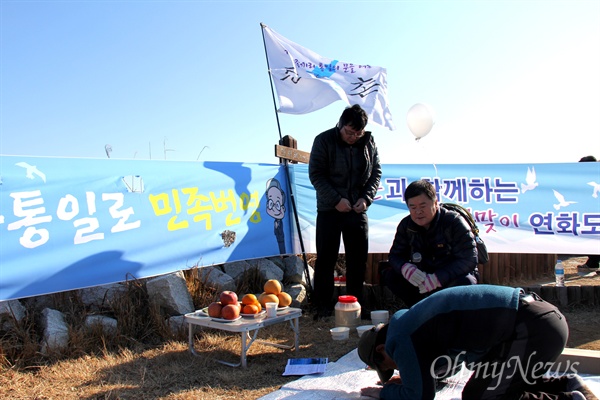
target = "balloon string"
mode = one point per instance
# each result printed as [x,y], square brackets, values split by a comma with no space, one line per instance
[418,140]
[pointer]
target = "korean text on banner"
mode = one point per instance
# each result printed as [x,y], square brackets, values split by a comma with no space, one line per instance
[306,82]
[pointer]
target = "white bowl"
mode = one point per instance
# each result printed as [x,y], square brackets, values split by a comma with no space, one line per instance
[363,328]
[340,333]
[380,317]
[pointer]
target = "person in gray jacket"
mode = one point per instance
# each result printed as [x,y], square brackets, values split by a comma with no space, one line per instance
[345,171]
[434,248]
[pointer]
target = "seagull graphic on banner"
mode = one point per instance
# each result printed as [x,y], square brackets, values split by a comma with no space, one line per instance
[530,180]
[561,201]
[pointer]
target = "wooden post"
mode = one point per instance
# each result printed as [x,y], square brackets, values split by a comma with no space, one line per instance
[505,269]
[494,270]
[481,269]
[518,267]
[561,294]
[537,289]
[549,294]
[288,149]
[369,271]
[574,294]
[534,266]
[587,295]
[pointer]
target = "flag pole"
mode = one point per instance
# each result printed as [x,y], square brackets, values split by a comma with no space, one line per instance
[287,170]
[262,29]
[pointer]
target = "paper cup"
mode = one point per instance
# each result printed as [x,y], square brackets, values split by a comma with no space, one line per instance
[362,329]
[271,309]
[380,317]
[340,333]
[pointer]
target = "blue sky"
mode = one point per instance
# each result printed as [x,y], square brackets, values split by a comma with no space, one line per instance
[509,81]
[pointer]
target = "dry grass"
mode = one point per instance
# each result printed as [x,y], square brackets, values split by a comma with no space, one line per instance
[169,371]
[145,361]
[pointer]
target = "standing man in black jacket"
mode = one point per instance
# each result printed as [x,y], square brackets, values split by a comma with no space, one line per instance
[344,168]
[433,248]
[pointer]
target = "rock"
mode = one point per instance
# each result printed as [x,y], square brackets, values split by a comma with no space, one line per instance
[56,331]
[215,278]
[236,269]
[107,324]
[278,260]
[11,312]
[294,270]
[177,325]
[100,298]
[267,269]
[298,293]
[170,293]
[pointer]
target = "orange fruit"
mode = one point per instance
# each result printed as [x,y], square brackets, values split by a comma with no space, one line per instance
[260,297]
[269,298]
[284,299]
[250,299]
[250,309]
[272,286]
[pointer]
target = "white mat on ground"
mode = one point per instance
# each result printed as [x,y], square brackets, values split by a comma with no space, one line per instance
[344,379]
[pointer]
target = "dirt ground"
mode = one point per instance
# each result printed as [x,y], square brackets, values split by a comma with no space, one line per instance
[584,321]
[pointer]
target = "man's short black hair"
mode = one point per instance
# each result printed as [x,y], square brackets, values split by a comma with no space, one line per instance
[354,116]
[420,187]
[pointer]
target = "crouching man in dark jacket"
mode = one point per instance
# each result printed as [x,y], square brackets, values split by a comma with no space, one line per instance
[433,248]
[507,338]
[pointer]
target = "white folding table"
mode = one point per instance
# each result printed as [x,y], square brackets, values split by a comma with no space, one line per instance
[245,326]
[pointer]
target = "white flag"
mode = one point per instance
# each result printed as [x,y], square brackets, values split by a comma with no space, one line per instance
[307,82]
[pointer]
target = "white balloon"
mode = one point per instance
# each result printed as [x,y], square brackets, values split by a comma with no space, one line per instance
[420,120]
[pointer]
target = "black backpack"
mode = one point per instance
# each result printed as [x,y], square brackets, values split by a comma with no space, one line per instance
[482,253]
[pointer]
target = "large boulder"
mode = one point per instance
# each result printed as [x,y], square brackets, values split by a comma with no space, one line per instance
[236,269]
[294,270]
[215,278]
[101,297]
[170,293]
[267,269]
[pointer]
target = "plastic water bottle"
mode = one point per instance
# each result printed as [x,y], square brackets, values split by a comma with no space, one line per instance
[416,258]
[559,274]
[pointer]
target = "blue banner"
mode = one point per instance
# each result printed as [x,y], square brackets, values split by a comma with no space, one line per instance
[519,208]
[74,223]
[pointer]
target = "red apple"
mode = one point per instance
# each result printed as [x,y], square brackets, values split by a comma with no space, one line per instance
[215,309]
[228,297]
[230,311]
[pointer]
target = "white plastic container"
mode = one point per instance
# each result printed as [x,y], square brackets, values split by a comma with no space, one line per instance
[271,309]
[363,328]
[340,333]
[347,312]
[380,317]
